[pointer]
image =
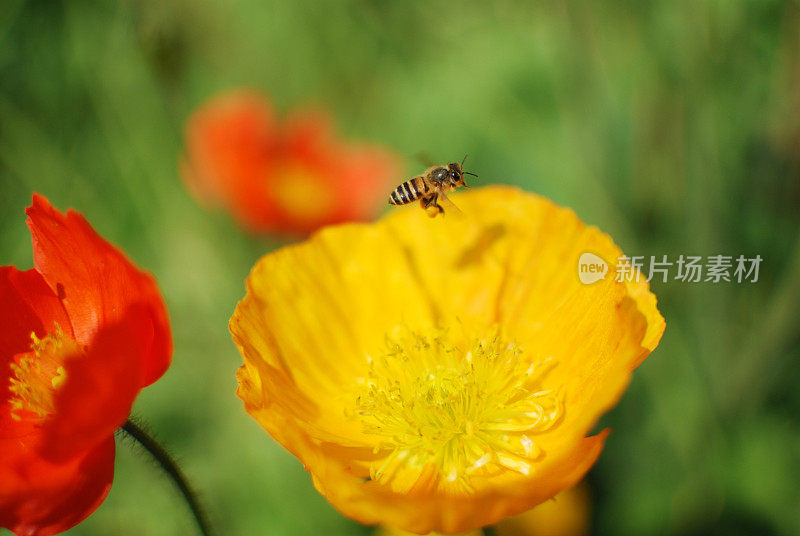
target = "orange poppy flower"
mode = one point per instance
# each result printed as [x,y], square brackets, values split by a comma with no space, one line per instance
[290,177]
[441,375]
[80,335]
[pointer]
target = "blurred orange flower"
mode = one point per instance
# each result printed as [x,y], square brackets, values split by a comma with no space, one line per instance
[441,375]
[80,335]
[566,514]
[383,530]
[289,176]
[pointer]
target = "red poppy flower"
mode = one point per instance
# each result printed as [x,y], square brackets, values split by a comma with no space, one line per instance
[80,335]
[292,176]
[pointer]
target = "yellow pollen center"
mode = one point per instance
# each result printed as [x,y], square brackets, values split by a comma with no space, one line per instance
[301,192]
[38,374]
[454,412]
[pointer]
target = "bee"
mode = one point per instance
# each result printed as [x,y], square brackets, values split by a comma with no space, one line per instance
[431,187]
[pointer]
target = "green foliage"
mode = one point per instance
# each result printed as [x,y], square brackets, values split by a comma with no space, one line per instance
[672,125]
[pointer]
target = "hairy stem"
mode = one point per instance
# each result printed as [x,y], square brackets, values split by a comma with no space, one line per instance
[170,467]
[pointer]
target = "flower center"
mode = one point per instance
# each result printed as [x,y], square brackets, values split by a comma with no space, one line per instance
[454,412]
[37,375]
[301,192]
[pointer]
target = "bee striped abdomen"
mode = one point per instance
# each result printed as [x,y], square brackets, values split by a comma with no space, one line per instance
[408,192]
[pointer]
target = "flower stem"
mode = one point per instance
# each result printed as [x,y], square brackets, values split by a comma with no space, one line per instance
[170,467]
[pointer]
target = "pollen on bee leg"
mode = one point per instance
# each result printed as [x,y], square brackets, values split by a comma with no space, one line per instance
[36,375]
[462,408]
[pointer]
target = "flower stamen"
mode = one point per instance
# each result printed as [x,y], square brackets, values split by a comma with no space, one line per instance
[38,374]
[452,413]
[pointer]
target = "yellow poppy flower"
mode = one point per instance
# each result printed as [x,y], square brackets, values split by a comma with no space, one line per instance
[440,375]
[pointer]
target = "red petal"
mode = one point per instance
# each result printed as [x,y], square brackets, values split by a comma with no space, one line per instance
[369,174]
[99,391]
[308,135]
[40,498]
[28,305]
[97,282]
[231,141]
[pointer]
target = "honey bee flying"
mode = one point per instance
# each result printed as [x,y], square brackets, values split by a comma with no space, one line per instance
[431,187]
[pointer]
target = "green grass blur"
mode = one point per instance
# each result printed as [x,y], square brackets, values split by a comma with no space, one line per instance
[673,125]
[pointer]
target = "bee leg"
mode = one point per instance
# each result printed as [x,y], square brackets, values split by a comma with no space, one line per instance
[431,206]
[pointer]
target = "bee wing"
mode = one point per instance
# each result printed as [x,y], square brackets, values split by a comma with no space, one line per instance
[449,205]
[424,158]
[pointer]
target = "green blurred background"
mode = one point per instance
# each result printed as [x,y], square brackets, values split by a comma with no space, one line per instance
[673,125]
